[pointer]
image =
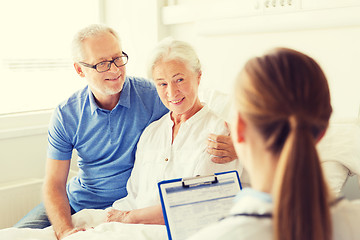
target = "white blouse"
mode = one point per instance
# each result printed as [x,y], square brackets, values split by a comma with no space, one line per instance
[157,158]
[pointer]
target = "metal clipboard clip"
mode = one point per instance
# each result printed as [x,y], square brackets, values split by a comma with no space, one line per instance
[199,180]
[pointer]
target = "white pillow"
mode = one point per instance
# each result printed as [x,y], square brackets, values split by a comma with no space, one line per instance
[218,102]
[339,152]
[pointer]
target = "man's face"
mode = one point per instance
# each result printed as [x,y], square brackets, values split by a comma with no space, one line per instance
[104,47]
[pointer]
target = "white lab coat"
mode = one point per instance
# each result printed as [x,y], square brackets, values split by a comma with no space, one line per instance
[255,220]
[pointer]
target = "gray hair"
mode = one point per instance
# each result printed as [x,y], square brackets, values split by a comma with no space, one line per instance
[88,32]
[171,49]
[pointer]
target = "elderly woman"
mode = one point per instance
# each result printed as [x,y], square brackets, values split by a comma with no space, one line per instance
[173,146]
[282,110]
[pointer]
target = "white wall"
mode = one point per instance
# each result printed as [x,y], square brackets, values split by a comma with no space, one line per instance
[23,142]
[138,23]
[23,145]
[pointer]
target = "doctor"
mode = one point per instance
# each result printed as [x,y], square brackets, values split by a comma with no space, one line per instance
[282,110]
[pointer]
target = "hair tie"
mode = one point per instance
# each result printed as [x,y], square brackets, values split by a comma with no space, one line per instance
[297,122]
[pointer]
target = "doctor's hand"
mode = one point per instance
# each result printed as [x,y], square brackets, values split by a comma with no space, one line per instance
[222,148]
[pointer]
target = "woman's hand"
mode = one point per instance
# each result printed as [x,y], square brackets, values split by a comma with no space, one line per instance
[114,215]
[148,215]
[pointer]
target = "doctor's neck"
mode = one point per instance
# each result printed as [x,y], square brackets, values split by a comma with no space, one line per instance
[263,168]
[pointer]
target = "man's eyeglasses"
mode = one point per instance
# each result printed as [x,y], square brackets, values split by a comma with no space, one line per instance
[106,65]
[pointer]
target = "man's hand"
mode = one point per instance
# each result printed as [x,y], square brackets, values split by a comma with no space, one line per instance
[69,232]
[222,148]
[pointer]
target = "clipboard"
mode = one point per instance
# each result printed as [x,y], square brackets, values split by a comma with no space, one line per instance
[190,204]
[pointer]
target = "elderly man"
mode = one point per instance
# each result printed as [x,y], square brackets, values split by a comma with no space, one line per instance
[103,122]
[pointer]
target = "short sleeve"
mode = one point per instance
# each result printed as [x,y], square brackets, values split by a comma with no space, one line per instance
[59,143]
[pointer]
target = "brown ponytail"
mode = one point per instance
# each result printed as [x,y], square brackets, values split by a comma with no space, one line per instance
[286,96]
[301,208]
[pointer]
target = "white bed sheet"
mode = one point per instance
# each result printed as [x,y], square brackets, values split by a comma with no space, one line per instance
[108,231]
[93,221]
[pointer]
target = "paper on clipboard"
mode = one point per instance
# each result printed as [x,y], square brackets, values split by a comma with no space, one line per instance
[191,204]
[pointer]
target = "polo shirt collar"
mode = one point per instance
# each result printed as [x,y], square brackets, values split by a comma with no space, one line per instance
[123,101]
[93,104]
[125,94]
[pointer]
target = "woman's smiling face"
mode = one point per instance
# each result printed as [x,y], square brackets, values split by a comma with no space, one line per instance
[177,85]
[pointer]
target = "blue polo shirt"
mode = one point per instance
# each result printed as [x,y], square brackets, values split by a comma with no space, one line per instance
[105,140]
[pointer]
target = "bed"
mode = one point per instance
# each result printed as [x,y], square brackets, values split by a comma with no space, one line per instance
[92,220]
